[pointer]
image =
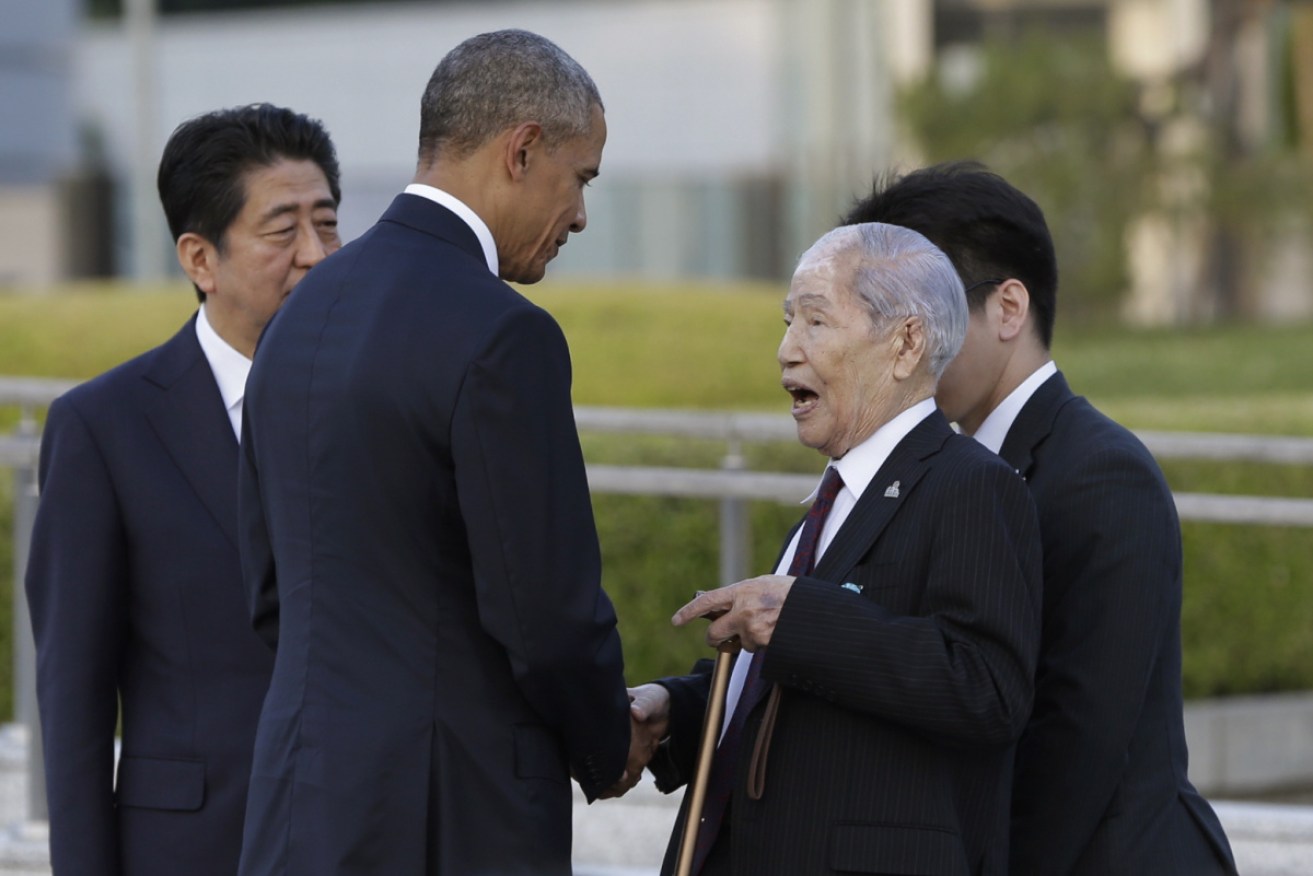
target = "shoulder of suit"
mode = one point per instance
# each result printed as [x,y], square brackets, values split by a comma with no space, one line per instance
[1085,437]
[961,450]
[1080,422]
[113,386]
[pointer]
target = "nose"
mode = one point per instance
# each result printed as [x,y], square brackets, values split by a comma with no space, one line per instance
[790,351]
[311,249]
[580,218]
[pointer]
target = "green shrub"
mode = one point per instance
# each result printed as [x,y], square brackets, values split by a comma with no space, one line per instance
[1248,592]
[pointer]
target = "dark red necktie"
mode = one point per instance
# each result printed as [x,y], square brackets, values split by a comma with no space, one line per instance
[720,785]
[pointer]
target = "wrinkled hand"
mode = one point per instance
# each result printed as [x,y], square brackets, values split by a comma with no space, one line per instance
[747,610]
[649,718]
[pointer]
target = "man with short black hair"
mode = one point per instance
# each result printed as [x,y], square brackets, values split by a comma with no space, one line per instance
[134,580]
[1100,779]
[417,534]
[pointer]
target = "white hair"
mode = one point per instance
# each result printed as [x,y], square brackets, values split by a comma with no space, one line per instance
[897,273]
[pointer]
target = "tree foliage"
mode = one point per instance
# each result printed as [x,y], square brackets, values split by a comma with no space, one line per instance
[1055,120]
[1097,150]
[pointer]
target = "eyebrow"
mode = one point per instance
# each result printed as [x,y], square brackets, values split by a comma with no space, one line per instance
[282,209]
[811,299]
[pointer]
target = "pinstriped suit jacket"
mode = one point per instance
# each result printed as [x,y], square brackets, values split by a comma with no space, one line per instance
[1101,782]
[901,704]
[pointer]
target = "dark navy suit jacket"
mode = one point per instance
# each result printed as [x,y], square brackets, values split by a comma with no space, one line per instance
[901,704]
[135,591]
[1101,782]
[418,541]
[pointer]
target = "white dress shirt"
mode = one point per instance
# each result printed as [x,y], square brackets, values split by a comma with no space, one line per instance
[230,369]
[994,431]
[857,467]
[461,209]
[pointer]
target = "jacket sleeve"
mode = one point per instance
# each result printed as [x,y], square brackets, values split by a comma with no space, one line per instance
[961,668]
[77,592]
[676,758]
[1113,566]
[524,498]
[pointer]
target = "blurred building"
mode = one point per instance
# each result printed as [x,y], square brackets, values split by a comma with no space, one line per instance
[739,130]
[52,205]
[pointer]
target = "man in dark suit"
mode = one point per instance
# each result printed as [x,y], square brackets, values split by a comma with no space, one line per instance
[134,581]
[417,533]
[901,632]
[1100,783]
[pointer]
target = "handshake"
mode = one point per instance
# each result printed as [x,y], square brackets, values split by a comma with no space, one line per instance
[649,719]
[744,613]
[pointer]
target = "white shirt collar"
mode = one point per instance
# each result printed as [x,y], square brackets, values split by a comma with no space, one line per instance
[461,209]
[994,430]
[230,369]
[859,465]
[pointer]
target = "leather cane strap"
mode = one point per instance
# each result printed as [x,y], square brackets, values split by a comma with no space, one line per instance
[761,747]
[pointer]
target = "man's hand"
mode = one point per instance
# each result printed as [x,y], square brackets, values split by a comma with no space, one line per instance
[747,610]
[649,717]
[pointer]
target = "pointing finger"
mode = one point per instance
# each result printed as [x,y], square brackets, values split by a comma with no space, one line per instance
[710,602]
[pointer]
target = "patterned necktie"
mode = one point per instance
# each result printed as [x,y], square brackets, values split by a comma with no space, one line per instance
[720,785]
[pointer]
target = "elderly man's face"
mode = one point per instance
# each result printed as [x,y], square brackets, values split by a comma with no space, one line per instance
[834,362]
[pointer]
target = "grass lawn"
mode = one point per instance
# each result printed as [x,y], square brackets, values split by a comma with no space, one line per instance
[1249,590]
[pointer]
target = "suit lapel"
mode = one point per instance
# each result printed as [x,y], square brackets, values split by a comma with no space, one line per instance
[187,413]
[1034,423]
[905,466]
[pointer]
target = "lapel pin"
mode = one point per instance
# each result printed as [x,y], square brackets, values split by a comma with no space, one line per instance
[855,588]
[891,492]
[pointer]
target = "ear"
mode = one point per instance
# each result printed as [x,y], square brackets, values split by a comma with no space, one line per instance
[199,260]
[521,144]
[909,347]
[1013,302]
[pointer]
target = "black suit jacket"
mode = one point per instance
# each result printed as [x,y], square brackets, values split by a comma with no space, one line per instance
[135,591]
[892,752]
[1101,782]
[418,541]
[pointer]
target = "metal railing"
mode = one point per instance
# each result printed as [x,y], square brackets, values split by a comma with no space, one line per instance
[731,484]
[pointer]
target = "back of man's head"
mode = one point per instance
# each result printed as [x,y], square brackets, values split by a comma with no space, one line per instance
[988,228]
[201,176]
[497,80]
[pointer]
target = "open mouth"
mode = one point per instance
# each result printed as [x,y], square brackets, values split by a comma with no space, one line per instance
[804,398]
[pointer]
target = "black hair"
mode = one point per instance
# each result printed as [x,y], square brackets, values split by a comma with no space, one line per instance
[201,172]
[989,229]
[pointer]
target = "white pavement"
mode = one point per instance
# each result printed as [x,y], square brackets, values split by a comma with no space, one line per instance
[627,837]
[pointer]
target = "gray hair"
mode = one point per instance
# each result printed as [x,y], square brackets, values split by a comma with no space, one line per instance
[897,273]
[497,80]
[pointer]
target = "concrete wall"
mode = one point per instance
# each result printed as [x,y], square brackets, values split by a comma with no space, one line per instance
[37,137]
[689,88]
[30,229]
[738,129]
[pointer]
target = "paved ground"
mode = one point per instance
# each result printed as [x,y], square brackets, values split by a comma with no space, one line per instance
[627,837]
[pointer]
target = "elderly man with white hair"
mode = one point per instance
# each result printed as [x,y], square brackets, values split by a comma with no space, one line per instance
[887,664]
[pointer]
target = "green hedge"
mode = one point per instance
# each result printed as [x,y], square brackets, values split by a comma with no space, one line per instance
[1249,590]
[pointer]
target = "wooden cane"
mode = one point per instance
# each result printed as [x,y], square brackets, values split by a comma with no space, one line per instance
[706,751]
